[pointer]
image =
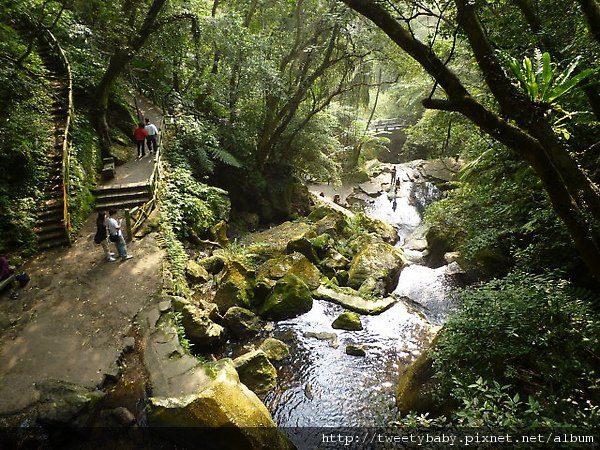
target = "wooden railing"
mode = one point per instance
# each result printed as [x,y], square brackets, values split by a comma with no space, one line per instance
[53,42]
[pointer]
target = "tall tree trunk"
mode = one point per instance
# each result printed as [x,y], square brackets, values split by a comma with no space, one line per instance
[117,64]
[591,11]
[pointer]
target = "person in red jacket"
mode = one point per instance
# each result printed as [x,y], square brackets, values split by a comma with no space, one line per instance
[140,134]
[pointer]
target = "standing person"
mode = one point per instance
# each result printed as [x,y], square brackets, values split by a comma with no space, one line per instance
[152,135]
[116,235]
[101,236]
[140,134]
[393,175]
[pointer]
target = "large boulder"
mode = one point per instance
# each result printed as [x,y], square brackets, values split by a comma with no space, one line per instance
[350,299]
[376,262]
[219,233]
[387,232]
[334,262]
[273,242]
[294,263]
[195,273]
[235,286]
[326,208]
[221,414]
[241,322]
[334,224]
[256,371]
[416,386]
[349,321]
[290,298]
[304,246]
[199,329]
[275,349]
[213,264]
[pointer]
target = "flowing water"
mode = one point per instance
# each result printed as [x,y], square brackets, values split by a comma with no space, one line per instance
[325,387]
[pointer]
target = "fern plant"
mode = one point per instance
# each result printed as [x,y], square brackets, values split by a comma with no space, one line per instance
[540,79]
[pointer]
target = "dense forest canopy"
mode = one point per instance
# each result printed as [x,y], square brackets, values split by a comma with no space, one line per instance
[263,96]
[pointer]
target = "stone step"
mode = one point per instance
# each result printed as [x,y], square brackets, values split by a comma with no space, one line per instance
[121,204]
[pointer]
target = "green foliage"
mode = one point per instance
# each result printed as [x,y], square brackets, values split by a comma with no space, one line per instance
[539,79]
[24,141]
[495,216]
[177,320]
[84,163]
[191,207]
[195,146]
[527,335]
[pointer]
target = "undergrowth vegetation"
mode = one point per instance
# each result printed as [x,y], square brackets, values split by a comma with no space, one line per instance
[522,351]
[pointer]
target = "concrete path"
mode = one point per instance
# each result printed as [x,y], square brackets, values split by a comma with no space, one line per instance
[70,323]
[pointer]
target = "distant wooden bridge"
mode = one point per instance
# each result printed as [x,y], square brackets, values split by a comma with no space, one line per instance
[387,125]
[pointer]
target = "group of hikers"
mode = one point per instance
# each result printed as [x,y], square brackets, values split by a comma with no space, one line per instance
[110,229]
[145,135]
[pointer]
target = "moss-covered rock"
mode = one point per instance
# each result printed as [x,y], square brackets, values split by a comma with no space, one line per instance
[321,244]
[334,224]
[275,349]
[415,387]
[387,232]
[322,210]
[347,321]
[199,329]
[290,298]
[213,264]
[195,273]
[256,371]
[350,299]
[355,350]
[224,411]
[334,261]
[219,233]
[294,263]
[241,322]
[273,242]
[235,286]
[378,261]
[304,246]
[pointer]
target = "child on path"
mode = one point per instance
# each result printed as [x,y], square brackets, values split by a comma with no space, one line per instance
[140,134]
[101,235]
[116,235]
[152,136]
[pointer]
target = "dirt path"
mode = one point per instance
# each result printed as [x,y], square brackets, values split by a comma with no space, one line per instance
[71,323]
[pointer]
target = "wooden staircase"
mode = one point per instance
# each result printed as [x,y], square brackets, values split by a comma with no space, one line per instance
[53,224]
[122,196]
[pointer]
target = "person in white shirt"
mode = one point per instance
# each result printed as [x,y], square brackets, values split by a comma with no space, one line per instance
[116,235]
[152,135]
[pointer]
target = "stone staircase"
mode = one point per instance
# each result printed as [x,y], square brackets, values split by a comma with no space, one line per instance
[122,196]
[52,225]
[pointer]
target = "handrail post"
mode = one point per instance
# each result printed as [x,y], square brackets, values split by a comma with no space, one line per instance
[128,225]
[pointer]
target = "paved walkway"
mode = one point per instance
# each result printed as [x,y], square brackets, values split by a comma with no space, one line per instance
[70,323]
[137,171]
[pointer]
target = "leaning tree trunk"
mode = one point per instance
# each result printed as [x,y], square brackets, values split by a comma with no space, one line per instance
[118,62]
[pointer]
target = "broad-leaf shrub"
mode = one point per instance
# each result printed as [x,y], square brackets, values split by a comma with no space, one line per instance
[534,335]
[192,207]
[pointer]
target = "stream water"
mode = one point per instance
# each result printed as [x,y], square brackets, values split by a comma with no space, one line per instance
[325,387]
